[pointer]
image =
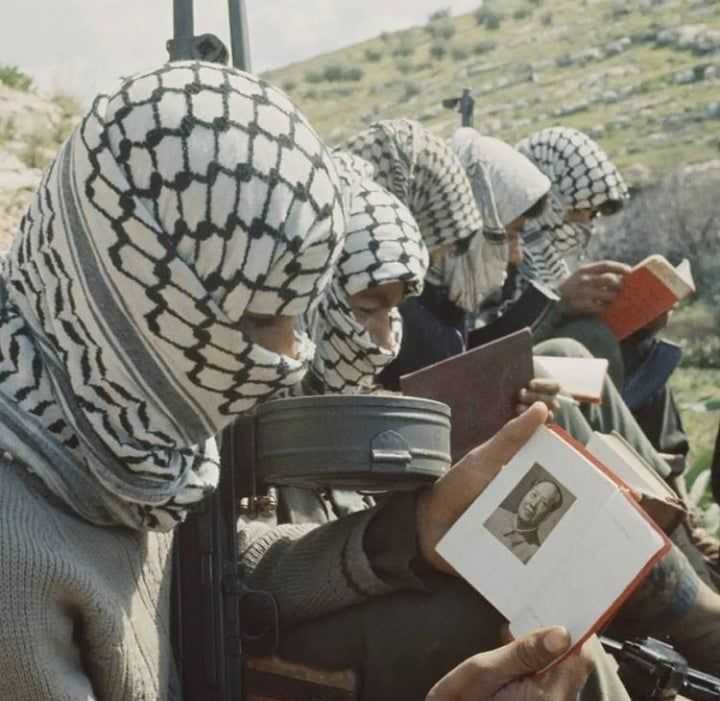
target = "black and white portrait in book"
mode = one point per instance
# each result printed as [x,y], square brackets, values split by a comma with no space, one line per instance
[530,512]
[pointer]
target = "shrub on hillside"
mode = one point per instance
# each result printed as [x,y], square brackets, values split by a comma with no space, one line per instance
[411,89]
[405,66]
[373,55]
[488,17]
[547,19]
[438,51]
[405,47]
[314,77]
[521,13]
[441,29]
[439,14]
[459,53]
[14,78]
[289,85]
[484,47]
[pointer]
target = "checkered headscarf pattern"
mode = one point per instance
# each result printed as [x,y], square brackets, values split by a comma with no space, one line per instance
[189,197]
[383,245]
[582,177]
[421,170]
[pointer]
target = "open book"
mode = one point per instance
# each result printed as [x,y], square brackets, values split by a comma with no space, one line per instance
[481,387]
[581,378]
[656,497]
[555,539]
[652,288]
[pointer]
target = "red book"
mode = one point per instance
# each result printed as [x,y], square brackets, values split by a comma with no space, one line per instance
[652,288]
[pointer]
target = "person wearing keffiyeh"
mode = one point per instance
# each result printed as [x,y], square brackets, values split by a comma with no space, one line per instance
[191,205]
[586,184]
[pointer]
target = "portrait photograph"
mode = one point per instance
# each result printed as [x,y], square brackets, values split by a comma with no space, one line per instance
[530,512]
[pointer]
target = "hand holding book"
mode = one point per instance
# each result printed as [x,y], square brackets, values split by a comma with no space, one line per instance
[440,506]
[510,672]
[592,287]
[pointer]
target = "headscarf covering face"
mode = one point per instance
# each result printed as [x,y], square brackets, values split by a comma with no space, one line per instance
[420,169]
[582,177]
[194,194]
[383,245]
[505,185]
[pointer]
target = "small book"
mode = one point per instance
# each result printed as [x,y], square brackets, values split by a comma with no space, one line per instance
[555,539]
[581,378]
[652,288]
[656,497]
[481,387]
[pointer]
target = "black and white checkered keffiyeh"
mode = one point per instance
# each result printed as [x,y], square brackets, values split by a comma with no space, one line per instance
[505,185]
[383,245]
[582,177]
[192,195]
[421,170]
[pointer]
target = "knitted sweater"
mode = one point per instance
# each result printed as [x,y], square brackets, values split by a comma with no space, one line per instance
[313,570]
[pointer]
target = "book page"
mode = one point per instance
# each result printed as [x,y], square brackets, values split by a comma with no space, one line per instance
[530,543]
[621,458]
[581,378]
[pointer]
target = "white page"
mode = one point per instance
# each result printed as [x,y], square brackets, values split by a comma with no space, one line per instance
[610,453]
[579,377]
[570,567]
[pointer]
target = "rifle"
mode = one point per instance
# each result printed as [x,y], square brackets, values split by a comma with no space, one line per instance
[465,105]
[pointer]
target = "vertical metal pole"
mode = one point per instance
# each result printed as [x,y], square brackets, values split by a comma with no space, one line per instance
[184,29]
[239,41]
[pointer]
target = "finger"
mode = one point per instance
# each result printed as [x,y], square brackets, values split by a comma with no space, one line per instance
[544,385]
[529,398]
[606,266]
[611,281]
[501,448]
[484,674]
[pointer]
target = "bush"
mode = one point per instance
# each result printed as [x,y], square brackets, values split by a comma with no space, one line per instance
[493,21]
[438,51]
[459,53]
[8,129]
[373,55]
[441,29]
[547,19]
[439,14]
[405,47]
[411,89]
[405,66]
[521,13]
[484,47]
[289,85]
[337,73]
[314,77]
[311,94]
[14,78]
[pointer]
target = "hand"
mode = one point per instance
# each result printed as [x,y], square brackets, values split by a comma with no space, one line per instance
[503,674]
[592,287]
[442,504]
[543,390]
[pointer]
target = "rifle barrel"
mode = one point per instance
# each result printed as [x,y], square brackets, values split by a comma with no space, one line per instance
[184,29]
[239,40]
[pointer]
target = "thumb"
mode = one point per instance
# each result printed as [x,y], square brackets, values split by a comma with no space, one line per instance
[532,652]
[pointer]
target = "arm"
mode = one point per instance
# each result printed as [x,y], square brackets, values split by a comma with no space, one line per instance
[316,570]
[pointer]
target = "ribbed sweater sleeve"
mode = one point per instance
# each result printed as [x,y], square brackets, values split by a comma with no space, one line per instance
[316,570]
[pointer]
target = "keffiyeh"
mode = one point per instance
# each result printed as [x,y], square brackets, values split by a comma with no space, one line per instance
[420,169]
[505,185]
[582,177]
[383,245]
[192,195]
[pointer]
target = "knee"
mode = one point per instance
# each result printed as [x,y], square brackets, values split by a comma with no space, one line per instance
[562,348]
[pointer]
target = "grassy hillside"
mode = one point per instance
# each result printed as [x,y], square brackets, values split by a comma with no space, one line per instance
[643,76]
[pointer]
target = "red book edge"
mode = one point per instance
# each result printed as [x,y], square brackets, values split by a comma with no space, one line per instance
[641,575]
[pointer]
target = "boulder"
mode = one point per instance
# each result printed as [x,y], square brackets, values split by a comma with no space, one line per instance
[618,46]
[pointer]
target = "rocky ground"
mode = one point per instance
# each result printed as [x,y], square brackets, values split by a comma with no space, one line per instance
[31,128]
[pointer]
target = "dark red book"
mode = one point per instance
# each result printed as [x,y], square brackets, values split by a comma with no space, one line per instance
[481,387]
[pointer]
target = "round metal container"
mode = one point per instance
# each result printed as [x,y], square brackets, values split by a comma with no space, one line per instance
[352,442]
